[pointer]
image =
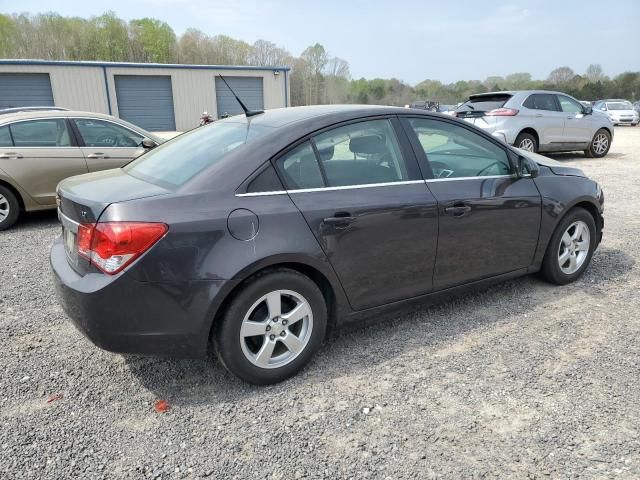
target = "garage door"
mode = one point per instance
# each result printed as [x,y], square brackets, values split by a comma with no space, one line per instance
[146,101]
[248,89]
[25,89]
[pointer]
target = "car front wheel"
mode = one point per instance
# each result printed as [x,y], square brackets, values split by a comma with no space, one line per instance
[570,248]
[600,144]
[272,327]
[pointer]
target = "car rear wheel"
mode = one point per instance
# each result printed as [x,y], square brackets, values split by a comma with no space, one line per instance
[600,144]
[527,142]
[272,327]
[570,248]
[9,208]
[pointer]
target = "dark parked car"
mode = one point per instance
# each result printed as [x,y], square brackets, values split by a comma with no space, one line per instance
[256,235]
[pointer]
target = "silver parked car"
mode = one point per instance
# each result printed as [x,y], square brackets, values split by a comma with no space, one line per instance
[621,112]
[540,121]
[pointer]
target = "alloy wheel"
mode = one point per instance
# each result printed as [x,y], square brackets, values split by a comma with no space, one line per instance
[276,329]
[600,143]
[574,247]
[527,144]
[5,208]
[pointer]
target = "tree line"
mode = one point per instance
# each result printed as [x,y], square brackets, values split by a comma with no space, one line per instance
[316,76]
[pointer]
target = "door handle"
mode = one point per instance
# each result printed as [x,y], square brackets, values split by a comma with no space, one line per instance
[339,220]
[457,210]
[10,155]
[539,115]
[97,155]
[570,117]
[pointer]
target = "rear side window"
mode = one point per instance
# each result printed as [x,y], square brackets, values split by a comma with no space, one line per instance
[175,162]
[98,133]
[541,101]
[41,133]
[361,153]
[484,103]
[5,137]
[299,168]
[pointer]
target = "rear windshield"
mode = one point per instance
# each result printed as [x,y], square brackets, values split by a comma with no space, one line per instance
[484,103]
[175,162]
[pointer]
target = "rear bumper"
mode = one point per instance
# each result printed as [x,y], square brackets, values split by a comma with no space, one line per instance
[124,315]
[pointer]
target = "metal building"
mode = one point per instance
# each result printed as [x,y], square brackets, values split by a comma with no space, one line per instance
[157,97]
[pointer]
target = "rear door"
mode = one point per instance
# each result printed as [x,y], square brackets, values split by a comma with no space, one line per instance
[43,152]
[360,190]
[489,218]
[543,111]
[577,125]
[106,144]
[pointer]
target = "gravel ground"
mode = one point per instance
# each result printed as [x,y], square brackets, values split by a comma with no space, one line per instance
[522,380]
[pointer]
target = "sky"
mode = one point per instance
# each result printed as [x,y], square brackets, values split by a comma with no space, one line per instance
[411,40]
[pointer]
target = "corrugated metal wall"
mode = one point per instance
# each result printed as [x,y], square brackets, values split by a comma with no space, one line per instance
[83,87]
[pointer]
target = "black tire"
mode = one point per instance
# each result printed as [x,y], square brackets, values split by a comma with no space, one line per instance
[524,137]
[226,337]
[8,201]
[591,151]
[551,270]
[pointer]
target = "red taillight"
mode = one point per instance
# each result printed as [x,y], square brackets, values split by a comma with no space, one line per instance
[111,246]
[502,112]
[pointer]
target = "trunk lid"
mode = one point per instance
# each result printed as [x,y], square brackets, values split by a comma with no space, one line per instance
[83,198]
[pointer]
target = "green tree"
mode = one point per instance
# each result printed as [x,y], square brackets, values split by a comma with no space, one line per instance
[152,41]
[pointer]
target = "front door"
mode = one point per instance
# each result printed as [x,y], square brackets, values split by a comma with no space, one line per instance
[489,218]
[42,153]
[106,144]
[577,125]
[365,202]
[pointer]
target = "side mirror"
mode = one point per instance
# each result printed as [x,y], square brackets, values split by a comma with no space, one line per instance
[587,110]
[148,144]
[526,168]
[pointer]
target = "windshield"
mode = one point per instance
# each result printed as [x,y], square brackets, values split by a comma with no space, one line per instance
[619,106]
[180,159]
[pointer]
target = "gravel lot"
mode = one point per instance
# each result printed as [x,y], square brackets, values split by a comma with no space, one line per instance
[522,380]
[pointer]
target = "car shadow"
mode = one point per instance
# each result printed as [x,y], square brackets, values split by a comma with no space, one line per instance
[36,220]
[357,349]
[579,156]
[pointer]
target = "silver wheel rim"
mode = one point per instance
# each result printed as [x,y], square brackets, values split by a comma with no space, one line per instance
[276,329]
[600,143]
[574,247]
[5,208]
[527,144]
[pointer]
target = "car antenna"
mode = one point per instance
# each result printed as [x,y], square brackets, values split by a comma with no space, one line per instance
[247,112]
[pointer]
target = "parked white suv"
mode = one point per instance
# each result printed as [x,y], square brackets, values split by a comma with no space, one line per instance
[540,121]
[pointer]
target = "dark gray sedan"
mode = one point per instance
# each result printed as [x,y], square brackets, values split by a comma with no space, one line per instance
[256,235]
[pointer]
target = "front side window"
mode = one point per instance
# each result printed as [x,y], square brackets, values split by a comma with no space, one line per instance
[41,133]
[361,153]
[183,157]
[454,151]
[299,168]
[5,137]
[569,105]
[541,101]
[98,133]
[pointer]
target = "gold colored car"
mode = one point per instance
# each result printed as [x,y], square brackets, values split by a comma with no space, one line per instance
[39,148]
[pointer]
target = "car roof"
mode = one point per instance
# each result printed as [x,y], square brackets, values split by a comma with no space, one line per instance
[514,92]
[38,114]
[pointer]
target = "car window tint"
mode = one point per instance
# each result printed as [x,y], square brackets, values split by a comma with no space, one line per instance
[98,133]
[41,133]
[454,151]
[178,160]
[299,168]
[541,101]
[361,153]
[569,105]
[5,137]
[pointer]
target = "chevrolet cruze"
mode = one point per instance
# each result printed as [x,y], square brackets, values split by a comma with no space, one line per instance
[253,236]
